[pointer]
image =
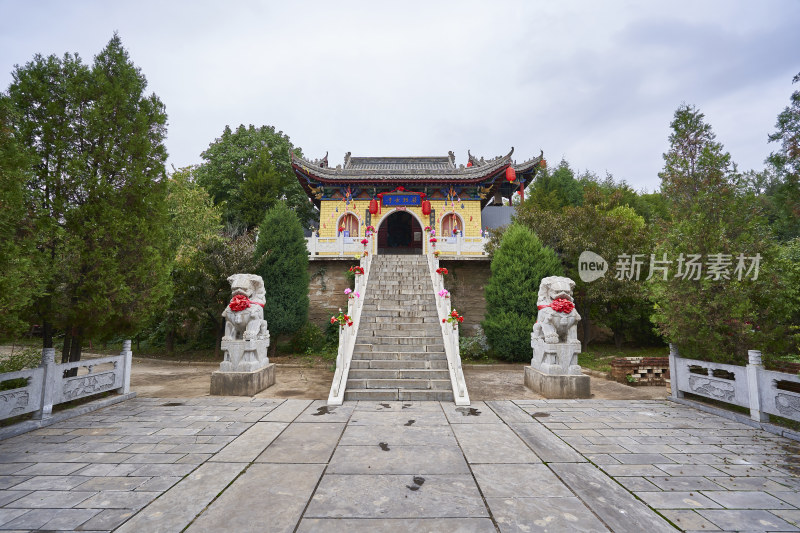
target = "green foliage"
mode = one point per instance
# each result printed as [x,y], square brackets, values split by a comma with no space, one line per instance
[308,338]
[605,226]
[202,290]
[248,170]
[18,360]
[712,319]
[193,218]
[518,265]
[475,347]
[284,269]
[784,191]
[95,192]
[556,189]
[19,280]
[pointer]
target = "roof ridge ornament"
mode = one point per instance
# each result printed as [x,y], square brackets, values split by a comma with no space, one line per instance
[347,157]
[452,157]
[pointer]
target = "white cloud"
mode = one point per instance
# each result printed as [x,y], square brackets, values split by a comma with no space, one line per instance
[595,82]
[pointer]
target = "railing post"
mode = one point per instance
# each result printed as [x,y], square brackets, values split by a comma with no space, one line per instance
[673,371]
[48,366]
[127,356]
[754,368]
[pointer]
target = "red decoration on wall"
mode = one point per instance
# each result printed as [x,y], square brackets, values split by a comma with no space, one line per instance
[511,174]
[426,207]
[373,206]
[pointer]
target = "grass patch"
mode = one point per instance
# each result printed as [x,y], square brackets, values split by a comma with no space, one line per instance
[599,356]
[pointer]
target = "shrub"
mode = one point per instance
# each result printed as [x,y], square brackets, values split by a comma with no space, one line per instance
[308,337]
[284,270]
[518,266]
[474,347]
[27,358]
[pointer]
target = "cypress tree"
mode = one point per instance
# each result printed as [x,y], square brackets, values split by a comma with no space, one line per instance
[283,255]
[518,266]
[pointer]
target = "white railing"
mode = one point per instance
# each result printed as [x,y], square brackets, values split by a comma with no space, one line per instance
[46,385]
[461,245]
[348,334]
[764,392]
[339,245]
[449,335]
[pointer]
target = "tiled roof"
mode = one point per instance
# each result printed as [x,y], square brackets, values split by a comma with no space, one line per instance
[400,163]
[370,169]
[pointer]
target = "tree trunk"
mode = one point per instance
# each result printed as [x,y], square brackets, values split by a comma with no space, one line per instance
[67,345]
[218,345]
[618,338]
[273,346]
[169,341]
[47,334]
[74,351]
[587,326]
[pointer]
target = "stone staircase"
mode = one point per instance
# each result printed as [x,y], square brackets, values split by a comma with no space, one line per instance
[399,353]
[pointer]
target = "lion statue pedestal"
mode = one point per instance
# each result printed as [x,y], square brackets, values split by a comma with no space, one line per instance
[245,370]
[554,371]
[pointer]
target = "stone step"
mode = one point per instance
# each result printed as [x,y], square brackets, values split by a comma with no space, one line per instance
[387,395]
[419,384]
[397,313]
[398,364]
[399,344]
[398,373]
[399,330]
[400,306]
[399,356]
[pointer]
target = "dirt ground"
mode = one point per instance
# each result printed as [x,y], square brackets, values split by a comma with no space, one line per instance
[167,379]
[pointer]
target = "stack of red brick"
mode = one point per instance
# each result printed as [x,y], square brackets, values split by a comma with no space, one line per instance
[642,370]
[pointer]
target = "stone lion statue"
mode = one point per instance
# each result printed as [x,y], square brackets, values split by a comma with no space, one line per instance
[557,321]
[244,316]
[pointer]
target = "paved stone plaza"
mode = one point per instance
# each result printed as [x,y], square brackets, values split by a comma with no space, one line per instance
[231,464]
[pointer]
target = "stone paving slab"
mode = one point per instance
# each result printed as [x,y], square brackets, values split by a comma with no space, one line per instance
[238,464]
[267,497]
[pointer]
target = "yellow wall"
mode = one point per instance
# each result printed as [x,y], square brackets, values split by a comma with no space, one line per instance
[329,218]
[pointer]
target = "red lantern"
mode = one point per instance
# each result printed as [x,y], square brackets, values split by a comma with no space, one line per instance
[511,174]
[373,206]
[426,207]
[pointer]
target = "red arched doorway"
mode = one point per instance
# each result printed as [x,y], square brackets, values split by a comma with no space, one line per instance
[400,233]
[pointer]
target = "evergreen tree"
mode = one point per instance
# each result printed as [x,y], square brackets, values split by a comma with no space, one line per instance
[96,193]
[711,318]
[518,266]
[19,280]
[784,190]
[284,268]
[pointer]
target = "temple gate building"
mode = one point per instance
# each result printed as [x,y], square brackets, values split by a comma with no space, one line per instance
[400,196]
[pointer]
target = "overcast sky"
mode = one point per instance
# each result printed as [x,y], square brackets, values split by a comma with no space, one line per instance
[594,82]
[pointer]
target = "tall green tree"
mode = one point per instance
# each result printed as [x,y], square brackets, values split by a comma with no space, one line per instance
[554,189]
[605,225]
[784,190]
[284,268]
[518,266]
[19,279]
[202,286]
[249,170]
[707,315]
[96,193]
[194,228]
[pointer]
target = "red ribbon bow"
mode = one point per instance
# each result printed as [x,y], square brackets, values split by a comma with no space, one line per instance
[240,302]
[560,305]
